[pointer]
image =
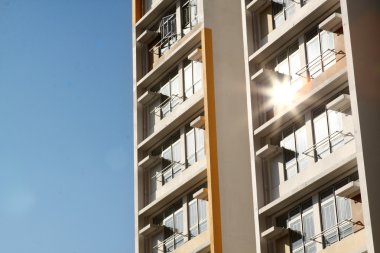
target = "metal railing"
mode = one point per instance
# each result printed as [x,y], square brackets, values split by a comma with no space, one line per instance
[157,109]
[320,63]
[336,226]
[160,245]
[168,40]
[324,141]
[169,167]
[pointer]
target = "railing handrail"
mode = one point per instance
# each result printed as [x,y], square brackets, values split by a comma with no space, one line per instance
[313,238]
[172,237]
[163,40]
[167,100]
[323,141]
[171,165]
[319,58]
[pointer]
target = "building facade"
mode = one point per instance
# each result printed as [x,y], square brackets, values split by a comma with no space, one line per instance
[192,161]
[256,126]
[310,79]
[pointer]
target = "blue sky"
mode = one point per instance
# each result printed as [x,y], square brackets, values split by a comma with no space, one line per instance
[66,177]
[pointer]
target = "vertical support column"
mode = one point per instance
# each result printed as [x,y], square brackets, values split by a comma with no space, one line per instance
[309,135]
[211,143]
[360,19]
[181,80]
[316,217]
[185,215]
[178,16]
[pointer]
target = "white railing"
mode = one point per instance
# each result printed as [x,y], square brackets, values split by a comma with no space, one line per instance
[325,141]
[168,40]
[339,224]
[169,167]
[160,245]
[169,100]
[319,63]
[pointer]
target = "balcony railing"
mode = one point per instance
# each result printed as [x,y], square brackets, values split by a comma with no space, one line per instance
[318,65]
[343,223]
[164,44]
[330,141]
[174,167]
[172,101]
[177,239]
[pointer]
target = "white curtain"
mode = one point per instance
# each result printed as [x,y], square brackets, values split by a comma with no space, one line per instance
[313,53]
[321,133]
[301,142]
[190,147]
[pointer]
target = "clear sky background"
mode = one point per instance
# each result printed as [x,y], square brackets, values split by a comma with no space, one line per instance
[66,177]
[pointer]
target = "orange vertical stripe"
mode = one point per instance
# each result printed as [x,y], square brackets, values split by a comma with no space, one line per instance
[136,11]
[211,143]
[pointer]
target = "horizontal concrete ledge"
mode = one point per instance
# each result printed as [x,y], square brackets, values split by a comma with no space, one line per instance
[332,23]
[199,244]
[274,233]
[257,5]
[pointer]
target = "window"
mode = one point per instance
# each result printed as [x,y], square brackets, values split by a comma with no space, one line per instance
[194,145]
[168,31]
[147,5]
[328,136]
[171,158]
[197,217]
[192,77]
[153,116]
[300,221]
[189,15]
[169,99]
[294,143]
[171,166]
[289,63]
[336,215]
[282,10]
[320,52]
[173,225]
[172,221]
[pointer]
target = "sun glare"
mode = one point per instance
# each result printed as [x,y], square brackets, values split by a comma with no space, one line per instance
[282,93]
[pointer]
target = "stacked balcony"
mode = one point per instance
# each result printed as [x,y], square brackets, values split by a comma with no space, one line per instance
[171,166]
[303,135]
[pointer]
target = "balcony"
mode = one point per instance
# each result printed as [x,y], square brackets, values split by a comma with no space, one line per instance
[175,188]
[198,244]
[308,14]
[163,110]
[171,243]
[314,90]
[315,67]
[155,10]
[173,120]
[315,176]
[329,144]
[176,53]
[168,173]
[355,243]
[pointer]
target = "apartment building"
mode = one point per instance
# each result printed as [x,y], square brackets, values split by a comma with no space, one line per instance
[313,111]
[193,188]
